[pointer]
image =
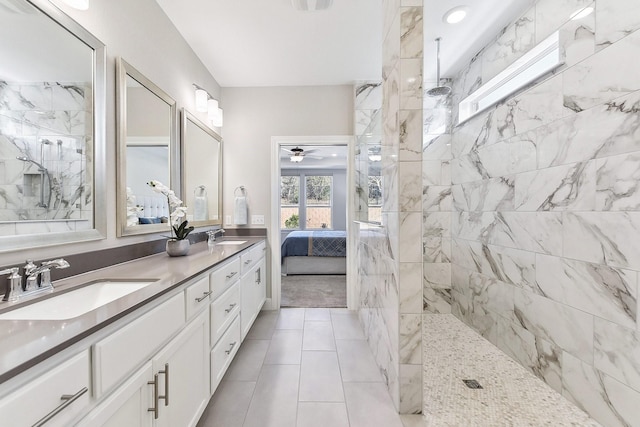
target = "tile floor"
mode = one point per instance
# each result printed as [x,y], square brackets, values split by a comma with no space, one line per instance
[303,367]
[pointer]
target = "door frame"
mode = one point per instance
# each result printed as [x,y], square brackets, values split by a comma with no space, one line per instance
[277,142]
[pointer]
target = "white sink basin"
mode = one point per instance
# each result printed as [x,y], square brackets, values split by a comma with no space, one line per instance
[77,302]
[231,242]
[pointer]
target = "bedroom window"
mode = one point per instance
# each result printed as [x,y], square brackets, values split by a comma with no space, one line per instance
[290,202]
[318,197]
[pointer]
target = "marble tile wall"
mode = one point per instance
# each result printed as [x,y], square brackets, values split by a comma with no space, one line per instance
[545,228]
[46,123]
[390,257]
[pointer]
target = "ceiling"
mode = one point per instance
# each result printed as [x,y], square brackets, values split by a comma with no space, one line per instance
[248,43]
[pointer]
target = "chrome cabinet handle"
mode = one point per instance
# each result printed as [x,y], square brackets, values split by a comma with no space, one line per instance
[258,276]
[233,344]
[156,397]
[248,262]
[230,275]
[228,310]
[166,384]
[204,296]
[68,400]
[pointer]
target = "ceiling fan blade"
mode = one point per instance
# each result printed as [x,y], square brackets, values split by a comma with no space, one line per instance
[284,149]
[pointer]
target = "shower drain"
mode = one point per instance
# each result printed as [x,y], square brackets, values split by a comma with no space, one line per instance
[472,384]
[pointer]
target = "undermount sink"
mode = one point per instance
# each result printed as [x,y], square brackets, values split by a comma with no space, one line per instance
[231,242]
[76,302]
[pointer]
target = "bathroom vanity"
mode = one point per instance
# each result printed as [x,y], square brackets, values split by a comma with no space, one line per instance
[152,357]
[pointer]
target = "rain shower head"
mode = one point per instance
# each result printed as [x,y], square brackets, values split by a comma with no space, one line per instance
[438,90]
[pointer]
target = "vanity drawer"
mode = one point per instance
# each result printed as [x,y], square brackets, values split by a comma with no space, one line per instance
[223,311]
[42,396]
[224,276]
[252,256]
[121,352]
[197,296]
[223,353]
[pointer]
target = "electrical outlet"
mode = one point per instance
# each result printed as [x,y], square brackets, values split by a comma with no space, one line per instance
[257,219]
[227,220]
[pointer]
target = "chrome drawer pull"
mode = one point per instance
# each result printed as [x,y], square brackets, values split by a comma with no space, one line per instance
[248,262]
[230,275]
[154,383]
[233,344]
[228,310]
[166,384]
[68,400]
[204,296]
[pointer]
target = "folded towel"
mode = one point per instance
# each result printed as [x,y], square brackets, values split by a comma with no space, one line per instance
[200,208]
[240,212]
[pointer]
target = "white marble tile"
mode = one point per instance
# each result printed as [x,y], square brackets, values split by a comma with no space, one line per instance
[604,238]
[578,39]
[567,187]
[595,81]
[322,414]
[275,399]
[320,379]
[411,37]
[566,327]
[494,194]
[318,335]
[410,148]
[369,405]
[410,186]
[617,183]
[410,339]
[411,84]
[410,249]
[617,352]
[436,229]
[515,40]
[411,388]
[368,96]
[616,19]
[610,402]
[605,292]
[410,287]
[432,173]
[391,44]
[69,96]
[436,198]
[437,149]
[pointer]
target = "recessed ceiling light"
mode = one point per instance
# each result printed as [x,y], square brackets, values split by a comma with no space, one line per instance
[581,13]
[455,15]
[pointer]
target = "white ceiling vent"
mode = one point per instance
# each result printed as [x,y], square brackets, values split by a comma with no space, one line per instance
[311,4]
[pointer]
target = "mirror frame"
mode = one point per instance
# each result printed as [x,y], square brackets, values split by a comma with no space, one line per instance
[187,116]
[99,171]
[124,69]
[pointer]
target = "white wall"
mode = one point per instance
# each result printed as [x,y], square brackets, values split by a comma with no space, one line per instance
[141,33]
[254,115]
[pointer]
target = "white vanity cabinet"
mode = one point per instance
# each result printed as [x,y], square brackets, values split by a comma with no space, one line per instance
[53,399]
[252,286]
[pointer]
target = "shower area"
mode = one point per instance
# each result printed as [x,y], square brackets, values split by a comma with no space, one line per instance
[43,152]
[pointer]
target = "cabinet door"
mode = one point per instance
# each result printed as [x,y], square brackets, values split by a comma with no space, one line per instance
[253,295]
[183,375]
[127,406]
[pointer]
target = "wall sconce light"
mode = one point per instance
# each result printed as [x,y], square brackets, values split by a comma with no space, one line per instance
[77,4]
[205,103]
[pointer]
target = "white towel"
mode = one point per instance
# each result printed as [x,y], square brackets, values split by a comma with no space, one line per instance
[240,211]
[200,208]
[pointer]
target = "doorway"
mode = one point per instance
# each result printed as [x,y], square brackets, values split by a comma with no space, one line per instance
[311,213]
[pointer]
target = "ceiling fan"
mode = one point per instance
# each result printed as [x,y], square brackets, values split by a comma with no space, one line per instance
[298,154]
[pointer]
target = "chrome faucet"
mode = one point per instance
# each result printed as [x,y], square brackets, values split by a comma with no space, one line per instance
[212,234]
[37,279]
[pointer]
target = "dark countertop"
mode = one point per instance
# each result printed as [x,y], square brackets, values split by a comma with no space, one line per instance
[24,343]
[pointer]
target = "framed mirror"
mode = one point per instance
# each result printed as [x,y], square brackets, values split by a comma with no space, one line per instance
[147,150]
[52,128]
[201,172]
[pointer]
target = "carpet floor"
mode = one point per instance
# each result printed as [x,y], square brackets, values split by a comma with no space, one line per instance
[314,291]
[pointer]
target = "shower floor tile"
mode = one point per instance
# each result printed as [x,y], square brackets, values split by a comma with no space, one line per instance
[511,396]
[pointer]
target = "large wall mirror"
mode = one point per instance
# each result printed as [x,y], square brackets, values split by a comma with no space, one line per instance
[201,172]
[52,114]
[147,150]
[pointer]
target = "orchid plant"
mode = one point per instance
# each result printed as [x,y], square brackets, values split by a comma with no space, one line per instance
[179,225]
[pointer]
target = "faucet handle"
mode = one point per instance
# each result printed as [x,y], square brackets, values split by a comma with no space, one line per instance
[14,284]
[29,267]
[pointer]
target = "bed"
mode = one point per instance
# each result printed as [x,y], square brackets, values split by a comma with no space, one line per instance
[314,252]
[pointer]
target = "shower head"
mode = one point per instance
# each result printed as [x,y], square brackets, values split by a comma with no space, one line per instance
[45,141]
[26,159]
[438,90]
